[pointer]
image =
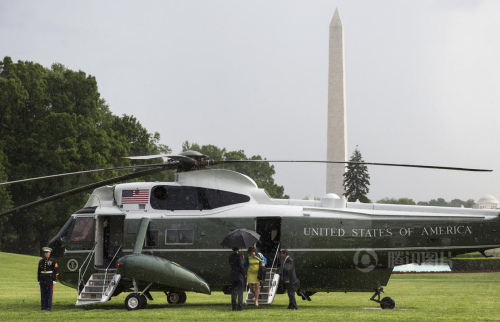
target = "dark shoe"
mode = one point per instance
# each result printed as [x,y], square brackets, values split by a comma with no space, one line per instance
[240,309]
[234,309]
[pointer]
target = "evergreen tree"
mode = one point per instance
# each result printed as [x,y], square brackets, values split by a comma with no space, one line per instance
[356,179]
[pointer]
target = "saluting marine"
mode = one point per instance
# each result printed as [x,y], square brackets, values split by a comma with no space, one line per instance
[47,273]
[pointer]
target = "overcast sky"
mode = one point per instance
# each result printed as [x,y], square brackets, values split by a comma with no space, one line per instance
[422,80]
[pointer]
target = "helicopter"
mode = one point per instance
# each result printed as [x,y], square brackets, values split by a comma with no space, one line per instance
[144,237]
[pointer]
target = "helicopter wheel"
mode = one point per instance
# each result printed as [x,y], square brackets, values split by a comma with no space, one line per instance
[133,302]
[173,298]
[183,297]
[387,303]
[143,302]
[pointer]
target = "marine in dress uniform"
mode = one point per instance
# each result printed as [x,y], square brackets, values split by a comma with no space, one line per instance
[47,273]
[289,278]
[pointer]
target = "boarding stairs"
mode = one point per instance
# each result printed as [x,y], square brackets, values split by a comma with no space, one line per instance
[268,288]
[100,286]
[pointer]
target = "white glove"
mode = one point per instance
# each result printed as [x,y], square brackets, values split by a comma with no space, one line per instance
[53,282]
[38,283]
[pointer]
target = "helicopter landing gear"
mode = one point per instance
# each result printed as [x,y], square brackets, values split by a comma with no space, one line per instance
[136,300]
[143,302]
[176,297]
[386,302]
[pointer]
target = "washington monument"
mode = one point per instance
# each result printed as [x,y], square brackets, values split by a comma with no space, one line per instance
[336,141]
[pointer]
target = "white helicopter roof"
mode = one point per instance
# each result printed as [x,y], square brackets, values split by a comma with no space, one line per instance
[217,179]
[212,179]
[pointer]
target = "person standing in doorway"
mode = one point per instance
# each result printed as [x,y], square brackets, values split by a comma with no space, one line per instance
[47,274]
[289,278]
[237,279]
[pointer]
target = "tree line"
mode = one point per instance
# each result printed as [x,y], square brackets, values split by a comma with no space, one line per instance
[439,202]
[54,120]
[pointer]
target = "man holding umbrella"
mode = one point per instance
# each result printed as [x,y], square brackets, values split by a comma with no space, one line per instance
[237,278]
[237,239]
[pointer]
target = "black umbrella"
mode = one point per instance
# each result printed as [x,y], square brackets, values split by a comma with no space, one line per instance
[240,238]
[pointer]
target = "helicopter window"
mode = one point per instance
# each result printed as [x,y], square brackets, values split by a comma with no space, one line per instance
[160,192]
[219,198]
[63,233]
[151,238]
[179,236]
[176,198]
[83,231]
[193,198]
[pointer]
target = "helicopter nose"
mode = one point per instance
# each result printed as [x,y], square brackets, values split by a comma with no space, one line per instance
[57,248]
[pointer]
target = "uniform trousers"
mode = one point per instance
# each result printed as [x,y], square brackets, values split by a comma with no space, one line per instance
[46,293]
[291,296]
[237,291]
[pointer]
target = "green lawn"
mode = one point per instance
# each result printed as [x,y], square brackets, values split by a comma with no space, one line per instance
[419,297]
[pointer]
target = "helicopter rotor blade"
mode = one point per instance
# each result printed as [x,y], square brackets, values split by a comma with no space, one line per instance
[132,167]
[352,162]
[89,186]
[180,158]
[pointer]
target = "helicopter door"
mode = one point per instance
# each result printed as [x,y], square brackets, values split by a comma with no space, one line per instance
[269,230]
[109,239]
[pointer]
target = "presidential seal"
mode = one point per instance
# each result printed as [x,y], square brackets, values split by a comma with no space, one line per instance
[72,265]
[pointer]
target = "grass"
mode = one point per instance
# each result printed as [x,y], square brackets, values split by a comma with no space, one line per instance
[419,297]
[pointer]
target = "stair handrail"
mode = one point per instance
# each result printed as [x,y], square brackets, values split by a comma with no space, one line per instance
[85,271]
[106,273]
[272,266]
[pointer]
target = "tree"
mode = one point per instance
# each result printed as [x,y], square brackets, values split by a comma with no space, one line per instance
[356,179]
[440,202]
[400,201]
[55,121]
[5,201]
[261,172]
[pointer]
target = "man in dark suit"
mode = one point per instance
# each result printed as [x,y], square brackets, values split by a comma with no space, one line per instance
[237,279]
[289,278]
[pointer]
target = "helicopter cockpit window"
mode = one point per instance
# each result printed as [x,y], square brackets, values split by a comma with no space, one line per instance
[193,198]
[179,236]
[83,231]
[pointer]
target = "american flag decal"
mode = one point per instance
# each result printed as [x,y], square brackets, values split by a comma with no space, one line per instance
[137,196]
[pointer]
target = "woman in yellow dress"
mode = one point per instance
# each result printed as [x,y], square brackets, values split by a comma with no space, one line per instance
[252,263]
